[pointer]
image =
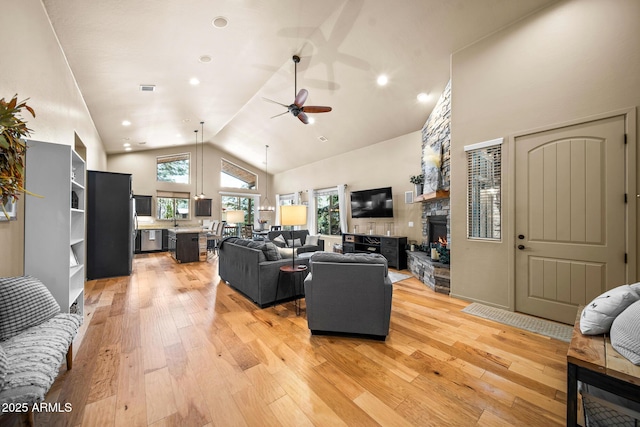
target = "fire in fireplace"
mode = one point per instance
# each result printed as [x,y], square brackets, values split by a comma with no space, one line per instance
[437,228]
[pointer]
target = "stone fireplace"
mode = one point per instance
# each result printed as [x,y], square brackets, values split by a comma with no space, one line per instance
[436,218]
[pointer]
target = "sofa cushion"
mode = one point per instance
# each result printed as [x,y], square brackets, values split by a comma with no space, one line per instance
[598,315]
[271,252]
[4,367]
[285,252]
[625,333]
[636,287]
[357,258]
[294,243]
[24,302]
[311,240]
[279,241]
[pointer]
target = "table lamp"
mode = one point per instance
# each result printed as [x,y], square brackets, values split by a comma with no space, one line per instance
[235,217]
[293,215]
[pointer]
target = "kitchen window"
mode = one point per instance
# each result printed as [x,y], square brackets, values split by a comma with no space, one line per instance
[172,205]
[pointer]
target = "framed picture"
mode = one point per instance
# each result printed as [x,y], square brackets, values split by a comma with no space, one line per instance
[12,210]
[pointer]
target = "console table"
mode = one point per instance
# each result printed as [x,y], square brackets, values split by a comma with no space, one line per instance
[391,247]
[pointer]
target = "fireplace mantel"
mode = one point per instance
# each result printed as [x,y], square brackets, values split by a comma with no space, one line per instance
[439,194]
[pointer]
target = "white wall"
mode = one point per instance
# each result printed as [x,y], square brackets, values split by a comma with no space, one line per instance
[34,66]
[570,61]
[386,164]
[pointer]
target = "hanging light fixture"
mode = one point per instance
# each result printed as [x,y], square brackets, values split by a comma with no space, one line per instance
[266,206]
[195,194]
[201,195]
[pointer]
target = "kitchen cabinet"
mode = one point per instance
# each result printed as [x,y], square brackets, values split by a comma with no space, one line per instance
[185,245]
[203,207]
[143,205]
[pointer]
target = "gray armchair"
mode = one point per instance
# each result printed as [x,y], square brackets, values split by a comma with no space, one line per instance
[348,293]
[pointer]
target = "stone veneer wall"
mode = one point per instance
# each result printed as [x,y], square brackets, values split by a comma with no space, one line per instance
[436,136]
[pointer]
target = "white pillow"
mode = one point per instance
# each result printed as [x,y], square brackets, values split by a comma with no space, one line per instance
[636,287]
[285,252]
[295,242]
[625,333]
[599,314]
[311,240]
[280,239]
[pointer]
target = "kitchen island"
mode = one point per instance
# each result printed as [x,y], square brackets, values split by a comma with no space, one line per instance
[188,244]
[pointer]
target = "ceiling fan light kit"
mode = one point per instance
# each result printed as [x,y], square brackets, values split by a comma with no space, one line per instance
[297,108]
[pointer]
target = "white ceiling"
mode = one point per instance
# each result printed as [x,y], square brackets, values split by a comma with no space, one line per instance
[114,46]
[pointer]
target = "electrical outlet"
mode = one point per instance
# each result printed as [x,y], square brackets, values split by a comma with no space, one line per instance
[410,223]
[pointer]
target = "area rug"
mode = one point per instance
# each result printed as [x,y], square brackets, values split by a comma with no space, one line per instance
[548,328]
[396,277]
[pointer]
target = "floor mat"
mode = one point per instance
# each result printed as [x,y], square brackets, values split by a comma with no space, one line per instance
[396,277]
[559,331]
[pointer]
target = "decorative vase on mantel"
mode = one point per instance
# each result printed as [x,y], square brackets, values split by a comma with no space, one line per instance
[419,188]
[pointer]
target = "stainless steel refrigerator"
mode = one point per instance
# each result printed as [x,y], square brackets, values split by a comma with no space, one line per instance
[110,224]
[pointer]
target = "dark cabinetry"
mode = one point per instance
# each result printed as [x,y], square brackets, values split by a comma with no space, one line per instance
[183,246]
[203,207]
[391,247]
[143,205]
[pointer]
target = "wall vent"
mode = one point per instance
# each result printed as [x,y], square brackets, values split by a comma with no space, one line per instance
[147,88]
[322,138]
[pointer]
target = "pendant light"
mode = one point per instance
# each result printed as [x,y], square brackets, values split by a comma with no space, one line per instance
[195,194]
[266,206]
[201,195]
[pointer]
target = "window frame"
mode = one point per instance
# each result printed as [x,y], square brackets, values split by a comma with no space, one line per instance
[222,171]
[333,206]
[484,190]
[174,198]
[178,157]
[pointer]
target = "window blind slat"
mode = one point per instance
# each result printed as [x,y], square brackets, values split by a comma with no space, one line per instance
[484,192]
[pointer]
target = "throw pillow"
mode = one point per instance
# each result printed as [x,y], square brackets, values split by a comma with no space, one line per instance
[24,302]
[598,315]
[294,242]
[4,367]
[279,241]
[636,287]
[311,240]
[285,252]
[625,333]
[271,252]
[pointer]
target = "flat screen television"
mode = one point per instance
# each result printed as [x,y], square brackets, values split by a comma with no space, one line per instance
[375,203]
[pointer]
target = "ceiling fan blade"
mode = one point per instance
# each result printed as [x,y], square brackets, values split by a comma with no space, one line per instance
[303,118]
[275,102]
[281,114]
[301,97]
[316,109]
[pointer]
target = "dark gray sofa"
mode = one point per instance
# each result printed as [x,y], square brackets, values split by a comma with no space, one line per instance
[296,234]
[245,266]
[348,293]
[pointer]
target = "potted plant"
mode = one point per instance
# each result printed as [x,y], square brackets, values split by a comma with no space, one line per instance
[12,150]
[418,181]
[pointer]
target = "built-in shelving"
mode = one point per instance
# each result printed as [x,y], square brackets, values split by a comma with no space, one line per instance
[54,249]
[391,247]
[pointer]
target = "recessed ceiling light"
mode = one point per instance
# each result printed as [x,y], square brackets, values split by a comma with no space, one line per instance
[423,97]
[186,120]
[126,123]
[220,22]
[127,149]
[194,82]
[126,144]
[382,80]
[205,59]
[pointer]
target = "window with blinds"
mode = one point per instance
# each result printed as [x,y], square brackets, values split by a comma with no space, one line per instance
[173,168]
[484,189]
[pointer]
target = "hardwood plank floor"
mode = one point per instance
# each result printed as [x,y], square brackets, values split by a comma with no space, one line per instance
[172,345]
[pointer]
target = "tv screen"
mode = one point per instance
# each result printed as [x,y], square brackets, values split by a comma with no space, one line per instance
[376,203]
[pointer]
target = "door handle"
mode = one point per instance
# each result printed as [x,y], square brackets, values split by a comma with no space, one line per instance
[521,247]
[521,236]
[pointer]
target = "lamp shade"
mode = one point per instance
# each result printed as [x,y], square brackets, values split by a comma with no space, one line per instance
[235,217]
[293,215]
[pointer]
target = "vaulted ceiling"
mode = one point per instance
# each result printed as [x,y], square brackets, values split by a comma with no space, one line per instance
[113,47]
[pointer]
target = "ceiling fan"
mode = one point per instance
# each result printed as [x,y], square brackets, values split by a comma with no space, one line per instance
[297,108]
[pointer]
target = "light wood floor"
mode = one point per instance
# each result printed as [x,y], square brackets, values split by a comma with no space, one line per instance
[173,346]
